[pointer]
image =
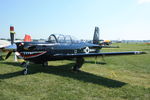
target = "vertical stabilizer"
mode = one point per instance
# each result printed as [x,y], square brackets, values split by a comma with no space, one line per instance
[96,36]
[27,38]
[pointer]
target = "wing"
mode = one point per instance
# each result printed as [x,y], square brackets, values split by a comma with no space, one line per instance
[99,54]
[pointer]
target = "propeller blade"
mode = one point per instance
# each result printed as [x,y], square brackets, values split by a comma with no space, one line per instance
[8,55]
[12,34]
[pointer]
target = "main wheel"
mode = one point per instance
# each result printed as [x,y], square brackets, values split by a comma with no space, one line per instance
[78,64]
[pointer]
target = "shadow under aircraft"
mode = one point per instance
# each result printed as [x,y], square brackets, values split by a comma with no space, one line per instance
[59,47]
[64,70]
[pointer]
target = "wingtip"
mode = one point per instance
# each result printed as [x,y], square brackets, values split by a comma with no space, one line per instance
[140,52]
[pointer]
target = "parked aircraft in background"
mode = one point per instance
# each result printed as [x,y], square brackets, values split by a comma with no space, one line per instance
[27,38]
[4,43]
[105,42]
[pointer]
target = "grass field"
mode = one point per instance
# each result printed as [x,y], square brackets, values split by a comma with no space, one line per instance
[111,78]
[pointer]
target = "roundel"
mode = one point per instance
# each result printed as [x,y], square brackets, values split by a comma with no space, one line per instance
[86,50]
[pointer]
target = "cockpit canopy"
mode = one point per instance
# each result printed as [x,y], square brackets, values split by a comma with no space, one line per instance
[59,38]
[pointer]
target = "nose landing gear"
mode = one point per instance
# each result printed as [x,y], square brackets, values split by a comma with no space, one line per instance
[25,65]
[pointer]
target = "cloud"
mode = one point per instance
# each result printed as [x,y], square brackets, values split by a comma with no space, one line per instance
[143,1]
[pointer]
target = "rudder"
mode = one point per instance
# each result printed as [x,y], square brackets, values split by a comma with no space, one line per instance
[96,36]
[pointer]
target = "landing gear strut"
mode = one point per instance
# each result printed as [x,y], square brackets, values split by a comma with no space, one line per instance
[78,65]
[45,64]
[26,65]
[1,58]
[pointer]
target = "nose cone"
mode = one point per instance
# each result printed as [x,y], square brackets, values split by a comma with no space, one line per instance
[12,47]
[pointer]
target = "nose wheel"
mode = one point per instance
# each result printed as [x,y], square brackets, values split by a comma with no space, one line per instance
[25,65]
[25,71]
[45,64]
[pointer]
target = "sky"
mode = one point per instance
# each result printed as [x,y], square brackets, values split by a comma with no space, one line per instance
[117,19]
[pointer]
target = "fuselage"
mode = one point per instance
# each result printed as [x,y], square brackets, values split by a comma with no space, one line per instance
[40,52]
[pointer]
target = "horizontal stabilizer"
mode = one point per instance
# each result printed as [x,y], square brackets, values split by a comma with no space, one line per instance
[108,46]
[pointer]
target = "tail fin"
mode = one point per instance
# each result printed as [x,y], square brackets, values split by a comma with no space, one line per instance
[27,38]
[96,36]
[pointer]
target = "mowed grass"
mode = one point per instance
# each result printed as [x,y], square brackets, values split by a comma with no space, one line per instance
[108,78]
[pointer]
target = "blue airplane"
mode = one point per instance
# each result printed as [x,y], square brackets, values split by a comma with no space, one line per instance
[59,47]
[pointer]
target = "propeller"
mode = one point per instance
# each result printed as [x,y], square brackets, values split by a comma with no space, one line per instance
[12,34]
[11,48]
[8,55]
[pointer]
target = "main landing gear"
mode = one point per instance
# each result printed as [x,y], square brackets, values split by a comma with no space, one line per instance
[76,67]
[78,64]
